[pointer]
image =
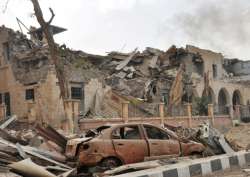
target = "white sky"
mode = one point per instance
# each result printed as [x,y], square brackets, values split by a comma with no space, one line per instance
[99,26]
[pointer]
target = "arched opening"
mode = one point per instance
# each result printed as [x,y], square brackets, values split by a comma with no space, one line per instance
[210,96]
[189,97]
[237,98]
[223,101]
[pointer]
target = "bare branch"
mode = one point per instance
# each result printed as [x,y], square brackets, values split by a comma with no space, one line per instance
[52,16]
[6,6]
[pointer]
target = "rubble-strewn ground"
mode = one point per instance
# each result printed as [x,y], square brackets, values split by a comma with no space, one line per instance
[44,148]
[239,136]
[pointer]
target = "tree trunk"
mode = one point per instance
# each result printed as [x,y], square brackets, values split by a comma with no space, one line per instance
[55,59]
[52,48]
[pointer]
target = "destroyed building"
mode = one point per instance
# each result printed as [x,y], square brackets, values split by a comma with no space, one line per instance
[29,86]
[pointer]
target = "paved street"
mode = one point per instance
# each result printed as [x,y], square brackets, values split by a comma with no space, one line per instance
[234,173]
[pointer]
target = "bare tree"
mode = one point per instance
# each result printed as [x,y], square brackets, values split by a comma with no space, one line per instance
[5,6]
[53,48]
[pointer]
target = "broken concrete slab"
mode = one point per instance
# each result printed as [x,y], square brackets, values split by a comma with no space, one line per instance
[153,62]
[32,151]
[51,134]
[225,146]
[28,168]
[125,62]
[121,75]
[8,121]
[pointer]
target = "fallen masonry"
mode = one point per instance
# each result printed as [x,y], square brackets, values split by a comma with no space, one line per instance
[98,85]
[125,112]
[43,151]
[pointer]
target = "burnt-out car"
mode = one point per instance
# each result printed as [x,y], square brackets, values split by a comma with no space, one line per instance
[114,145]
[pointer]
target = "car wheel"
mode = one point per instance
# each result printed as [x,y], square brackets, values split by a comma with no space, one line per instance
[110,163]
[208,152]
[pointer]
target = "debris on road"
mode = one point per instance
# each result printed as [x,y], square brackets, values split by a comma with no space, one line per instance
[239,137]
[44,151]
[17,154]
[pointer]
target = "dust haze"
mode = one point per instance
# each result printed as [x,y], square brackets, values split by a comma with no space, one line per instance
[219,25]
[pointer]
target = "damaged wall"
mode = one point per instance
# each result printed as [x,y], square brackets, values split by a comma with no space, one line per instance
[213,62]
[103,82]
[24,71]
[239,68]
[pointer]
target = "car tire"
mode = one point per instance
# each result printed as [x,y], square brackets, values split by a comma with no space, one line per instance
[208,152]
[110,163]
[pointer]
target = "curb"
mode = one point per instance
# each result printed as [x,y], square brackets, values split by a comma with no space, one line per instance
[197,167]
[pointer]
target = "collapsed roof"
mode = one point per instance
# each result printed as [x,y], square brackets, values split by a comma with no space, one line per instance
[145,76]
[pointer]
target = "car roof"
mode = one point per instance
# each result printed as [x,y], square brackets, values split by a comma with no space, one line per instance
[129,124]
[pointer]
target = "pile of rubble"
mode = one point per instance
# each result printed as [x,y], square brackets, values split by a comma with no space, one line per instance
[147,77]
[141,77]
[215,142]
[239,137]
[41,150]
[38,152]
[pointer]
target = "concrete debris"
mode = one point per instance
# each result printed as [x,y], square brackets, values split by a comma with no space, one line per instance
[153,62]
[28,168]
[97,87]
[58,155]
[21,152]
[131,168]
[48,159]
[208,136]
[239,137]
[126,61]
[7,122]
[123,73]
[51,134]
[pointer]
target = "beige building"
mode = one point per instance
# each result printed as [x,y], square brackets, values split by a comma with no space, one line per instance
[29,86]
[28,83]
[227,87]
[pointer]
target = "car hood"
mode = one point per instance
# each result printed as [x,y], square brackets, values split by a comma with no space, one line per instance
[72,145]
[77,141]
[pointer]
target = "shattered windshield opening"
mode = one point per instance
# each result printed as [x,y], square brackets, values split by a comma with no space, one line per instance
[97,131]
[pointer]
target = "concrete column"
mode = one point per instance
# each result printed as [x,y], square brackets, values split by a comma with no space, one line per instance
[2,111]
[125,111]
[75,108]
[31,111]
[237,111]
[189,113]
[211,112]
[231,111]
[161,112]
[69,116]
[72,115]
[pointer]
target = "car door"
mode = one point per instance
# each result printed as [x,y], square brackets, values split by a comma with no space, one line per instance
[129,143]
[160,142]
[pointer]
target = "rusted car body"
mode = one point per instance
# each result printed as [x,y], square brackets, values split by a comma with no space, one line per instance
[114,145]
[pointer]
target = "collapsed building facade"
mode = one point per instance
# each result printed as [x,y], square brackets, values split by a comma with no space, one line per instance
[29,87]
